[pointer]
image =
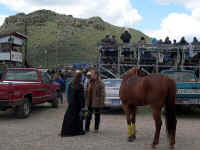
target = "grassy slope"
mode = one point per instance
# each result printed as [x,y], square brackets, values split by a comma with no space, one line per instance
[72,43]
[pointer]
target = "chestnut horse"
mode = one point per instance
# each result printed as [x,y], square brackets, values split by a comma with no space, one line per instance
[155,90]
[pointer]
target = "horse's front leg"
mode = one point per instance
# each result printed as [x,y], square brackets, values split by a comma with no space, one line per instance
[158,124]
[128,118]
[133,120]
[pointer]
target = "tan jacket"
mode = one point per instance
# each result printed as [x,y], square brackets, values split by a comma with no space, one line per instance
[98,94]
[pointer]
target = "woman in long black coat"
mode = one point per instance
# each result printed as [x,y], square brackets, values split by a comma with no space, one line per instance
[72,123]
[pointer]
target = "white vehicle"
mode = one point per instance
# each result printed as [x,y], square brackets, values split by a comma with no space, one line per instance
[112,92]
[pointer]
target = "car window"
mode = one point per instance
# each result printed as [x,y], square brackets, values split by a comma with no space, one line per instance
[181,76]
[1,73]
[21,75]
[46,77]
[112,83]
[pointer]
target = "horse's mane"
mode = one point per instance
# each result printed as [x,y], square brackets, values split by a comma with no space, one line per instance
[130,73]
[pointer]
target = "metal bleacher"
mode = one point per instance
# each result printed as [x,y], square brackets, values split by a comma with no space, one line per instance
[151,57]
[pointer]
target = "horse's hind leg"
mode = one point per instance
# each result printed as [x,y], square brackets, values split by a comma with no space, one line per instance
[158,124]
[128,118]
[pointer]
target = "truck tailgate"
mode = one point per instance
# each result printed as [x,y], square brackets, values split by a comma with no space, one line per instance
[188,93]
[188,90]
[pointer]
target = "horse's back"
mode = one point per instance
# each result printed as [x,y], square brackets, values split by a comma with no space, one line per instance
[145,90]
[158,83]
[162,81]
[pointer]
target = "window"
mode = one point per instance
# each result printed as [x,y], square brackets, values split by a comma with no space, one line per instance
[181,76]
[21,75]
[46,77]
[112,83]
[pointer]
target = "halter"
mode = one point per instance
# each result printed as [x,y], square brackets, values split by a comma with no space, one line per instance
[137,72]
[133,78]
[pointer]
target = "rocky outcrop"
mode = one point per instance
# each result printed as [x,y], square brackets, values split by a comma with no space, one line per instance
[97,23]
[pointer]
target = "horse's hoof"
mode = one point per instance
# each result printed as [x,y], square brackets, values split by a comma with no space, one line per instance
[153,146]
[130,139]
[171,147]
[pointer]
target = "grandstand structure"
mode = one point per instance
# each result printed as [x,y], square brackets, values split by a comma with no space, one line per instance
[113,62]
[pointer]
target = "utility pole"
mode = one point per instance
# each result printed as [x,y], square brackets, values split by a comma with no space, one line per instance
[57,46]
[58,40]
[26,41]
[57,50]
[46,56]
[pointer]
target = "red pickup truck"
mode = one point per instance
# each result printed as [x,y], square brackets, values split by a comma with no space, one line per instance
[20,88]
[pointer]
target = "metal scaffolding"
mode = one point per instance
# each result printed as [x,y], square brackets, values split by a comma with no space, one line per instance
[151,57]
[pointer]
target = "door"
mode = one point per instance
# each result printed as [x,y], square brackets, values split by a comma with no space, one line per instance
[47,86]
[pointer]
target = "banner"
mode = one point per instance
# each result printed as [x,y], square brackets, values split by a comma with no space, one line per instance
[16,56]
[4,55]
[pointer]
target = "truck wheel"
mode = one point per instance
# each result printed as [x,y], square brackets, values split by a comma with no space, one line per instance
[24,110]
[54,102]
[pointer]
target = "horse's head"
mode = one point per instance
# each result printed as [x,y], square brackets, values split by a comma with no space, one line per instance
[135,71]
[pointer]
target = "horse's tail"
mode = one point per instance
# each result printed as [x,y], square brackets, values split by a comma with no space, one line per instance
[170,110]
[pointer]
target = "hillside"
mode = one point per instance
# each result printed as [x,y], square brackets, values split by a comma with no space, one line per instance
[70,39]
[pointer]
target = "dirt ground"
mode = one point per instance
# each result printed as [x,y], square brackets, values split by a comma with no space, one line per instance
[40,132]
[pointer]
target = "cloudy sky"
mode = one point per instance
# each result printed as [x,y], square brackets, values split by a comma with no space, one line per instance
[156,18]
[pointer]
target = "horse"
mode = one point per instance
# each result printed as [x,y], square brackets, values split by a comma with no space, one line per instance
[155,90]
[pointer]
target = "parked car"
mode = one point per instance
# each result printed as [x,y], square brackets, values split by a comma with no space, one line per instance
[112,92]
[20,88]
[188,86]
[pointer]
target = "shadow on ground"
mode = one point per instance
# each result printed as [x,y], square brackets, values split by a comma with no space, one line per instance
[188,112]
[120,111]
[37,110]
[181,111]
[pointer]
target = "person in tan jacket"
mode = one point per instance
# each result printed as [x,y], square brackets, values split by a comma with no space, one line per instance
[94,99]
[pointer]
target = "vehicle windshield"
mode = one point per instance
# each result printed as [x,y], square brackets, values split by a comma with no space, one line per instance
[112,83]
[21,75]
[181,76]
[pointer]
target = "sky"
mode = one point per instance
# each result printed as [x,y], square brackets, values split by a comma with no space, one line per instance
[156,18]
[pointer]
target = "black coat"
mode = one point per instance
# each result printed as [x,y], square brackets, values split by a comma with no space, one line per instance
[125,37]
[72,123]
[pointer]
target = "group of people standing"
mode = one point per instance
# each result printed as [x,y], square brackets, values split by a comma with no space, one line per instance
[58,77]
[111,40]
[84,101]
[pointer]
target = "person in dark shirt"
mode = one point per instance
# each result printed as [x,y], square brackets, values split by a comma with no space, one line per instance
[174,42]
[183,41]
[113,40]
[58,79]
[167,41]
[195,41]
[125,37]
[142,41]
[160,41]
[106,40]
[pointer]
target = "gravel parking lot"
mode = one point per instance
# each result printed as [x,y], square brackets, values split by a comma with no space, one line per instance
[40,132]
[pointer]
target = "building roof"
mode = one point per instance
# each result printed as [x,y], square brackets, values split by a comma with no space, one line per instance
[17,34]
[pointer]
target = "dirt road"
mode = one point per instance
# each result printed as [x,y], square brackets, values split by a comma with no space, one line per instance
[40,132]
